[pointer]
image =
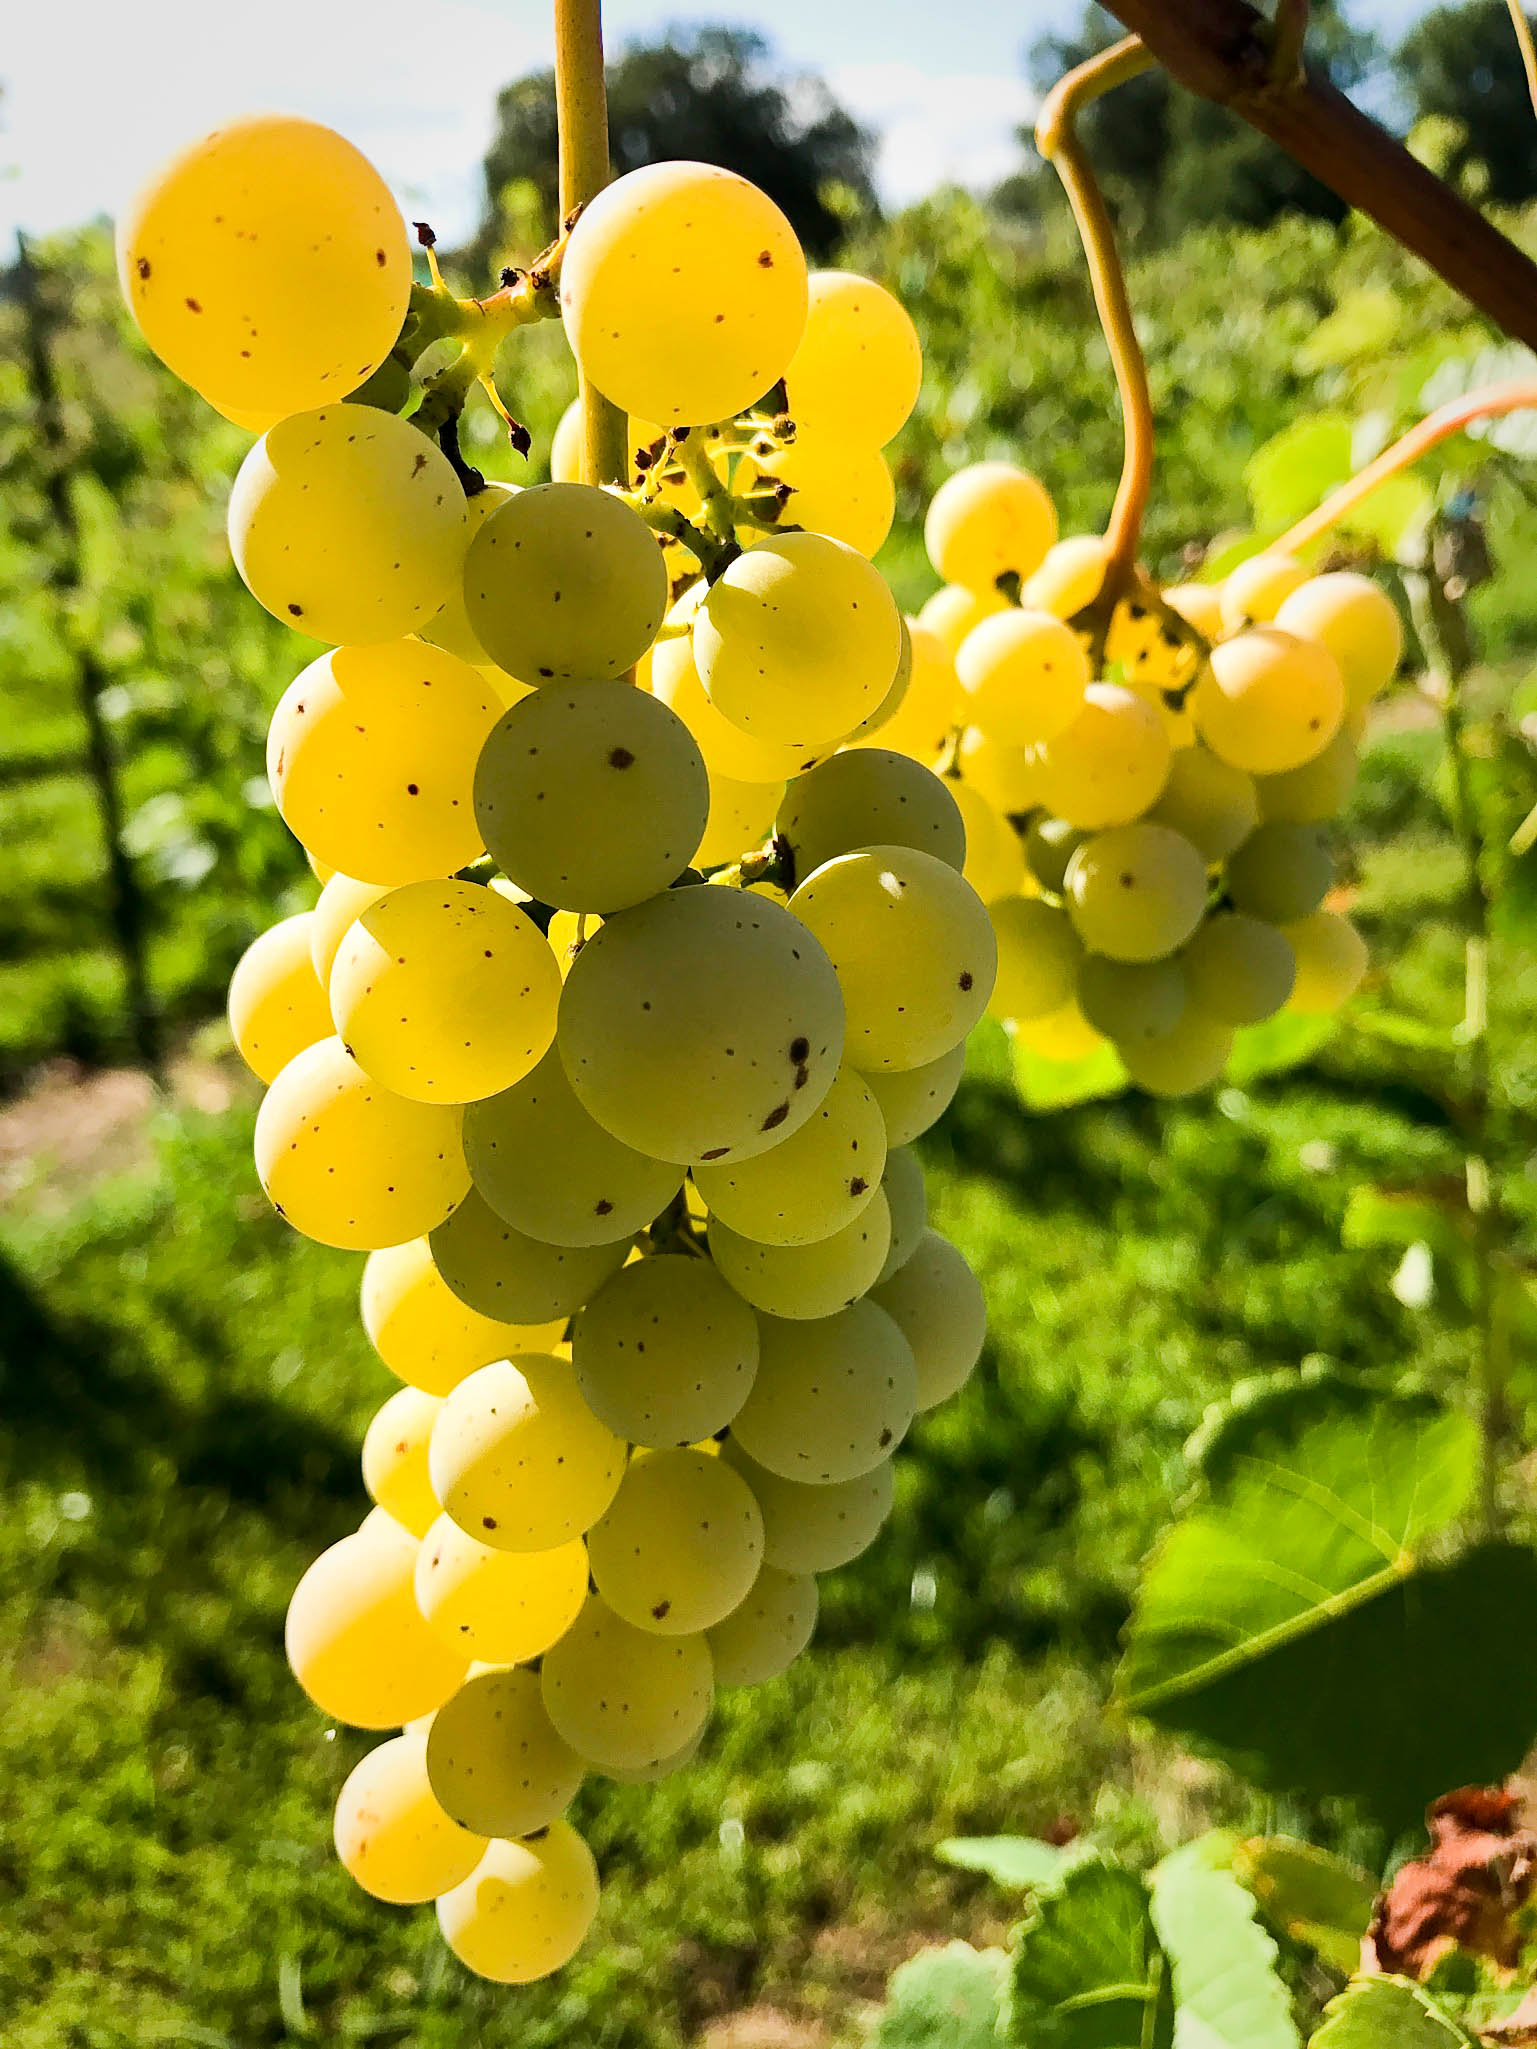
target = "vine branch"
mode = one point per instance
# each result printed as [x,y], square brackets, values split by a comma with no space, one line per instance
[581,113]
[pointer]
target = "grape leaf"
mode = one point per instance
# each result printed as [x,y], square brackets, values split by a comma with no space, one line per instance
[1388,2013]
[1226,1991]
[1088,1971]
[1286,1040]
[1315,1897]
[943,1998]
[1288,475]
[1011,1860]
[1362,324]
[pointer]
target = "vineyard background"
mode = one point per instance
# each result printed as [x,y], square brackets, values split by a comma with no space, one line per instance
[183,1383]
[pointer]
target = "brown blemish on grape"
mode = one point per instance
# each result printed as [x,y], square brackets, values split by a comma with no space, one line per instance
[193,306]
[488,1522]
[662,1608]
[716,1152]
[142,266]
[419,465]
[380,258]
[765,259]
[858,1185]
[621,757]
[603,1207]
[298,613]
[966,978]
[885,1439]
[775,1117]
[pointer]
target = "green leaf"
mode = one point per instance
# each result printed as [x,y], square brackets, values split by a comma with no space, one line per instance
[1362,324]
[1392,513]
[945,1998]
[1226,1991]
[1088,1971]
[1228,550]
[1388,2013]
[1294,469]
[1311,1895]
[1058,1084]
[1286,1040]
[1012,1860]
[1396,1028]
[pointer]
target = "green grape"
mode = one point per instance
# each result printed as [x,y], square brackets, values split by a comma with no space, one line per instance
[1256,590]
[1210,803]
[494,1760]
[505,1274]
[449,627]
[684,293]
[591,796]
[662,1768]
[276,1004]
[819,1180]
[388,388]
[768,1632]
[836,487]
[701,1024]
[519,1460]
[445,992]
[1281,872]
[1130,1000]
[797,640]
[1110,764]
[267,265]
[347,524]
[680,1544]
[1008,777]
[815,1527]
[1050,844]
[349,1164]
[1038,957]
[395,1459]
[908,1201]
[833,1398]
[871,797]
[915,1098]
[912,946]
[952,612]
[858,366]
[727,750]
[391,1835]
[936,1301]
[525,1909]
[546,1168]
[343,900]
[995,863]
[1070,576]
[424,1333]
[1024,675]
[564,581]
[1239,970]
[625,1697]
[1267,701]
[665,1352]
[741,818]
[1316,790]
[988,520]
[806,1281]
[502,1607]
[356,1643]
[1331,960]
[1356,621]
[371,756]
[1136,892]
[1188,1058]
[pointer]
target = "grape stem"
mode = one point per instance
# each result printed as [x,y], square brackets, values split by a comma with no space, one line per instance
[581,117]
[712,554]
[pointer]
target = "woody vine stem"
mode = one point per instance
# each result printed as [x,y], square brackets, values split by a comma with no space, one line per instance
[581,116]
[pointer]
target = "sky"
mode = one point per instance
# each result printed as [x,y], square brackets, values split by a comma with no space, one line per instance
[98,92]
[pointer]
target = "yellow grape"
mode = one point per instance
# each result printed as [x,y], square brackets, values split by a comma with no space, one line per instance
[955,611]
[1239,970]
[449,627]
[623,1697]
[680,1544]
[355,1639]
[1331,962]
[503,1273]
[727,750]
[1129,1000]
[519,1460]
[1190,1057]
[907,1200]
[1136,892]
[371,757]
[812,1185]
[896,691]
[494,1761]
[276,1004]
[1008,777]
[1050,844]
[1110,764]
[1267,701]
[343,900]
[914,1099]
[912,947]
[347,524]
[1316,790]
[1212,804]
[548,1169]
[445,992]
[525,1909]
[921,721]
[856,372]
[684,293]
[564,581]
[267,265]
[797,639]
[936,1301]
[424,1333]
[1038,957]
[1069,577]
[1200,604]
[665,1352]
[995,862]
[348,1163]
[1256,590]
[592,796]
[395,1459]
[1024,675]
[1281,872]
[870,797]
[804,1281]
[702,1024]
[1356,621]
[986,521]
[767,1633]
[741,817]
[502,1607]
[391,1835]
[1063,1035]
[836,488]
[809,1527]
[833,1398]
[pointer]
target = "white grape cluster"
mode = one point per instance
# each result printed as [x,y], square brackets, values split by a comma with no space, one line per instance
[647,1243]
[1149,831]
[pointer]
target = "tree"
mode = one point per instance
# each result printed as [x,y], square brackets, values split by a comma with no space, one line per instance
[1462,63]
[712,95]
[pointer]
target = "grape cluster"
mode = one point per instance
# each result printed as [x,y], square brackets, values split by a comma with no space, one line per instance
[618,1100]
